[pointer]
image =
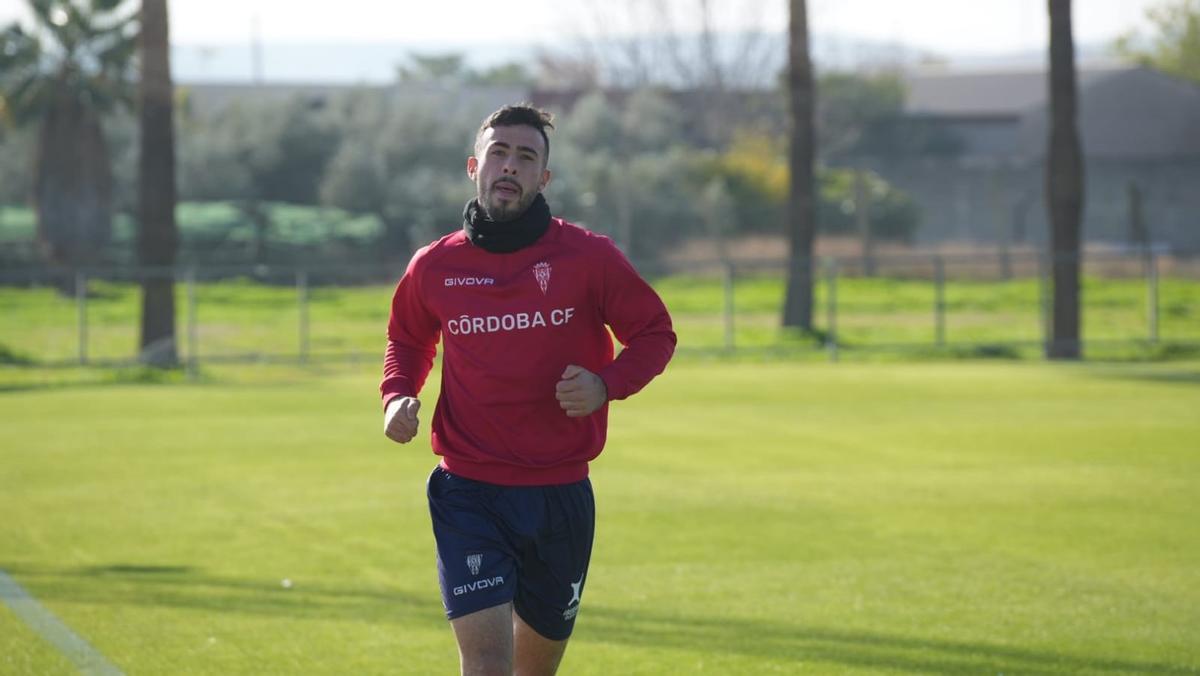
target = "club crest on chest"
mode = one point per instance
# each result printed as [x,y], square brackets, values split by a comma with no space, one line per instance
[541,272]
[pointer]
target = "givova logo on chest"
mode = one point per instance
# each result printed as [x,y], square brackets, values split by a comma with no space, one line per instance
[470,281]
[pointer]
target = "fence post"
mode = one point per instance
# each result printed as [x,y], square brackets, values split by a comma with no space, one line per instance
[727,278]
[193,331]
[81,314]
[1044,298]
[302,300]
[1152,296]
[939,300]
[862,219]
[831,341]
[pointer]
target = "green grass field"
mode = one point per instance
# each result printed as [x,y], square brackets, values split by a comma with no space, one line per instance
[953,518]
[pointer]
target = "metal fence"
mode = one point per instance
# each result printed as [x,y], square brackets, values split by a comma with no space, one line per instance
[994,305]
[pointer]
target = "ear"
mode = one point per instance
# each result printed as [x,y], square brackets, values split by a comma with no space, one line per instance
[545,180]
[472,167]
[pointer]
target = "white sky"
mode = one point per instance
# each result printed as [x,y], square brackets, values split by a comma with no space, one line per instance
[955,26]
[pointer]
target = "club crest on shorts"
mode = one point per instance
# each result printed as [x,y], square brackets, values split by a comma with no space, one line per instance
[541,272]
[474,561]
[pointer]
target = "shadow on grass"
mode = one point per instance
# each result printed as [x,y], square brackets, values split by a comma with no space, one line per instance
[72,384]
[59,378]
[1188,376]
[10,356]
[781,640]
[132,584]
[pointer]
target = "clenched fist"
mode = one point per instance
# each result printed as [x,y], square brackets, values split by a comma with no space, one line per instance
[580,392]
[400,419]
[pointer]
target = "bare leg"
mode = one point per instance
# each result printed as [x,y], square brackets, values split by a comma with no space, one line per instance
[535,655]
[485,641]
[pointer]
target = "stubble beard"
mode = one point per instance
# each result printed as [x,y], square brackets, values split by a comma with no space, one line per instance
[498,212]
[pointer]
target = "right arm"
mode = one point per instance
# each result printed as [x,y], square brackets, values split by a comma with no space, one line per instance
[412,333]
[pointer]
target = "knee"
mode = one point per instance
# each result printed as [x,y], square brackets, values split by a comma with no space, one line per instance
[486,661]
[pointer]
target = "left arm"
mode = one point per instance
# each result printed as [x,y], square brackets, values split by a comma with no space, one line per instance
[640,321]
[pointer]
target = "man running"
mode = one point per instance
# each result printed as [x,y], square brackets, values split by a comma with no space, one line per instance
[523,303]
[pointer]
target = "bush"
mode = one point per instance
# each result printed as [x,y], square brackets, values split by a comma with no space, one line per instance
[756,177]
[893,215]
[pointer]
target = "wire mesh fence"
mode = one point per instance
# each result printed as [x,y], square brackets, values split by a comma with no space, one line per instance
[987,305]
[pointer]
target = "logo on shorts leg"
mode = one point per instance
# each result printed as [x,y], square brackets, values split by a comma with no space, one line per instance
[485,583]
[474,561]
[573,605]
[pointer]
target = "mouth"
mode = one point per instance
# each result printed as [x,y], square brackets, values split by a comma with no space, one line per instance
[506,189]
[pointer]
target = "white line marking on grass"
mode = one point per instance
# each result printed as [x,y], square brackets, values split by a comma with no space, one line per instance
[88,659]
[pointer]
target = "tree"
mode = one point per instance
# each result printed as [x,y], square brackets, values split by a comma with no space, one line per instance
[66,75]
[754,171]
[851,104]
[304,141]
[15,148]
[709,50]
[432,68]
[511,73]
[1064,186]
[1175,47]
[623,170]
[862,115]
[691,46]
[405,163]
[801,218]
[258,153]
[451,68]
[158,236]
[259,150]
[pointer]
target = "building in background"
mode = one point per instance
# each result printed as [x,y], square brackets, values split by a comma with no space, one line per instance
[1140,130]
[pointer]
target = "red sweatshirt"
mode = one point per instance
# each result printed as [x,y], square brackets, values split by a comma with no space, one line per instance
[509,324]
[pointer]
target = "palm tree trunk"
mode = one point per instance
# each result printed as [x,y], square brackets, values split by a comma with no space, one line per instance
[801,219]
[1064,186]
[157,233]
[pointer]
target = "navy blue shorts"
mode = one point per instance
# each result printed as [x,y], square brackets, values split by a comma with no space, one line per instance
[525,544]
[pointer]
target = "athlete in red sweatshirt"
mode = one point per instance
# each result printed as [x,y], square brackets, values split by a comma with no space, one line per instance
[523,303]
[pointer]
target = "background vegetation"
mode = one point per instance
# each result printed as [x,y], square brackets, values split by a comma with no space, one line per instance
[635,169]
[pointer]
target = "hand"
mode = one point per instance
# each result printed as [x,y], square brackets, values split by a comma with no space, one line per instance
[400,419]
[580,392]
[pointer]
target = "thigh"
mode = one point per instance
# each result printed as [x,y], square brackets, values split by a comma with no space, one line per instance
[554,565]
[534,654]
[476,561]
[485,640]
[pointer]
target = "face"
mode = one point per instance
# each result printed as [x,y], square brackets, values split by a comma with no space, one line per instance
[509,170]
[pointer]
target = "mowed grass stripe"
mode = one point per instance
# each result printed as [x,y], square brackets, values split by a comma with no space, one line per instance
[36,655]
[753,518]
[49,628]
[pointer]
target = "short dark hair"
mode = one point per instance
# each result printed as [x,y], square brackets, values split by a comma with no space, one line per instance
[521,114]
